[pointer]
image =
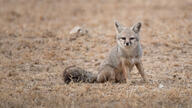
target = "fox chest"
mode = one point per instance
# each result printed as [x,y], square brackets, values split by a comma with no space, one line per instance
[126,62]
[130,61]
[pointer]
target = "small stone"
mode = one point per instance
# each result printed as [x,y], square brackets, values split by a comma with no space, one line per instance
[161,85]
[78,31]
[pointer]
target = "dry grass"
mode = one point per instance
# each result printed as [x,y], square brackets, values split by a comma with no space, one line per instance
[35,47]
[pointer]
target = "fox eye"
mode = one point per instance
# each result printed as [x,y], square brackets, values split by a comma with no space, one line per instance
[131,38]
[123,38]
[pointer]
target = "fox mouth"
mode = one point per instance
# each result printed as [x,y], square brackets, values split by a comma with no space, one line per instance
[130,45]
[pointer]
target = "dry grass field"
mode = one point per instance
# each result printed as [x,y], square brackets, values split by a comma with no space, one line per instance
[35,47]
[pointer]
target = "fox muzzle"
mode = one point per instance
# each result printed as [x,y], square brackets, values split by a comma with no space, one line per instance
[128,43]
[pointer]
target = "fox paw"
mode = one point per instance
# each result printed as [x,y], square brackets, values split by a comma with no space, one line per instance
[145,80]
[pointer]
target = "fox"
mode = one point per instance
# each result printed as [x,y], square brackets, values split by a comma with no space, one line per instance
[118,64]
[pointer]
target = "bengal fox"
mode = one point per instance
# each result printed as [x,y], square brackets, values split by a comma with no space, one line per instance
[118,64]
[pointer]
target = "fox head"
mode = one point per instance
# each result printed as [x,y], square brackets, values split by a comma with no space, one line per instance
[127,37]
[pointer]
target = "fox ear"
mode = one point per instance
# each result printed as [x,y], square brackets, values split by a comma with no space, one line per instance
[136,28]
[118,26]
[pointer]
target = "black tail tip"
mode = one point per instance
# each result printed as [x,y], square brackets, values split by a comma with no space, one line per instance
[66,75]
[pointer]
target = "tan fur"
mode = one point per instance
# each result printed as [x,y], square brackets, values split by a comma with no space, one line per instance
[120,61]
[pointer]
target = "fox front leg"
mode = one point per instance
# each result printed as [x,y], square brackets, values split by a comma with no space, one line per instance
[140,68]
[127,67]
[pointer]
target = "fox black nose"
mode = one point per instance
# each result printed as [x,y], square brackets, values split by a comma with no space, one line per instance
[127,43]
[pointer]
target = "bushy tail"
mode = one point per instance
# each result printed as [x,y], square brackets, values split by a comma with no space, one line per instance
[76,74]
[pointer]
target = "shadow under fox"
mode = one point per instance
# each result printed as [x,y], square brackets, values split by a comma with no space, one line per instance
[118,64]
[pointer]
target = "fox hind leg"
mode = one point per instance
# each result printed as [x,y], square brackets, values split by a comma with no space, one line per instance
[106,74]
